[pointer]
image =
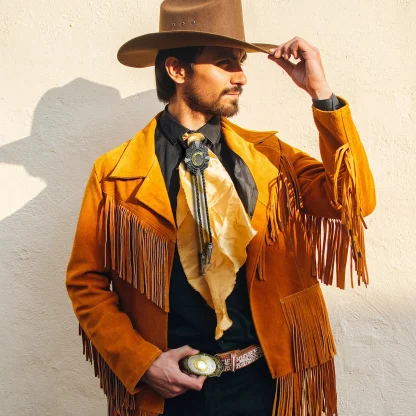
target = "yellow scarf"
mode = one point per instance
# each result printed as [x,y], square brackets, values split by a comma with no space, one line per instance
[231,233]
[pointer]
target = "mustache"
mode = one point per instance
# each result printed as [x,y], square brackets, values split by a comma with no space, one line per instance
[237,89]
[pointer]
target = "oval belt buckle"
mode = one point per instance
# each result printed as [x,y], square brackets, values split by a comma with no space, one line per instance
[202,365]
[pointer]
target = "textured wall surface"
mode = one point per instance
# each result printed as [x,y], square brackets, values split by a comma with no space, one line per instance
[64,100]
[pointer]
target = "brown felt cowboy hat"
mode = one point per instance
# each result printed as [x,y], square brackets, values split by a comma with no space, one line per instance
[185,23]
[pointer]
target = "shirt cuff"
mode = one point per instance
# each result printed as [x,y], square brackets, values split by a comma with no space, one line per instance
[330,104]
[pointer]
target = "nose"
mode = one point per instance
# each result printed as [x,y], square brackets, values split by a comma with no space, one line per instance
[239,77]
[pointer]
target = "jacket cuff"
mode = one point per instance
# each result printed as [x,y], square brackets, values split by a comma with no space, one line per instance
[151,352]
[334,126]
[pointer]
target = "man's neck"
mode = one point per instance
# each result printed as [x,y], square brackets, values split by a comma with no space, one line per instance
[188,118]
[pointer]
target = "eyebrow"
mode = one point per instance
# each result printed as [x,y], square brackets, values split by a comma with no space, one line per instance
[233,55]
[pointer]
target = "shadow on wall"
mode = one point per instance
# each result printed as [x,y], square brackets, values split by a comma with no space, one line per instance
[72,126]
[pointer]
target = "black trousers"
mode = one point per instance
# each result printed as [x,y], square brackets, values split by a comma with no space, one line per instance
[247,392]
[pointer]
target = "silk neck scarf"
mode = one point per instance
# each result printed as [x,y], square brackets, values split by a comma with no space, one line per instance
[231,232]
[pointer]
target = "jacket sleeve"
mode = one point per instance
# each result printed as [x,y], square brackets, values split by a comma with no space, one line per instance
[343,175]
[336,195]
[106,330]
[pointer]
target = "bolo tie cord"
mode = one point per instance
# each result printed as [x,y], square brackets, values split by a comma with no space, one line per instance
[196,160]
[209,245]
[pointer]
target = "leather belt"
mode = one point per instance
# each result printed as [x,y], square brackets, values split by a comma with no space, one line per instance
[236,359]
[214,365]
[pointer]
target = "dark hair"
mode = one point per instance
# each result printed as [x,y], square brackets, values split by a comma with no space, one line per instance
[165,86]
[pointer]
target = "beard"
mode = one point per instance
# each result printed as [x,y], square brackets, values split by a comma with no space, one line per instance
[198,101]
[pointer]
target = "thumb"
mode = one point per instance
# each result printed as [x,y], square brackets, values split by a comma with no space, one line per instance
[184,351]
[283,63]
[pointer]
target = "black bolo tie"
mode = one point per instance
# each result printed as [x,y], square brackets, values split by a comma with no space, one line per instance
[196,161]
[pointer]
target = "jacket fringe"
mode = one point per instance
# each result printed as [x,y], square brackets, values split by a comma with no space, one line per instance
[329,240]
[145,266]
[120,401]
[347,201]
[285,202]
[261,265]
[311,389]
[310,392]
[308,321]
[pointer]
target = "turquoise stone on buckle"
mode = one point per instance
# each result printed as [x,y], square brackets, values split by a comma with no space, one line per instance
[202,365]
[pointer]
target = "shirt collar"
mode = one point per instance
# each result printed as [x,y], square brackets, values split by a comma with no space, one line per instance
[174,130]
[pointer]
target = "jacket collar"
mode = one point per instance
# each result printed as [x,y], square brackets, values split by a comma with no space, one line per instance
[139,161]
[242,141]
[139,156]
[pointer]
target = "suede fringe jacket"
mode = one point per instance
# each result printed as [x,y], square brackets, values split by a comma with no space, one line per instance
[309,221]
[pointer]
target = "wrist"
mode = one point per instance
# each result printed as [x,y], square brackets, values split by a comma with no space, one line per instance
[321,94]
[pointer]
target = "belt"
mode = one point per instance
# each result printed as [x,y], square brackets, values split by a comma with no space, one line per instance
[203,364]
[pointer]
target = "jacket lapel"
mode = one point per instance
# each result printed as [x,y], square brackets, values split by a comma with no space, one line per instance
[139,161]
[264,172]
[242,142]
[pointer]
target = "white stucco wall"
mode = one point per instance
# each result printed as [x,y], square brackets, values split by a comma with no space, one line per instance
[64,100]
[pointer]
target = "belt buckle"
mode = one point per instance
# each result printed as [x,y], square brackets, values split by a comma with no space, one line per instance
[202,364]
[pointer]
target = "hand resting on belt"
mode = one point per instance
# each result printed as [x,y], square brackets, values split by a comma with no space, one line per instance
[165,376]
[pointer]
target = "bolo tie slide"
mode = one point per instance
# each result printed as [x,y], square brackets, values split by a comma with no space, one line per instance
[196,161]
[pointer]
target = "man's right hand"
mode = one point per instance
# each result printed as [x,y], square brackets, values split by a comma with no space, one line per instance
[165,376]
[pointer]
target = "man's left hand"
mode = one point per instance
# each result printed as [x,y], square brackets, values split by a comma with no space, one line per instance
[308,73]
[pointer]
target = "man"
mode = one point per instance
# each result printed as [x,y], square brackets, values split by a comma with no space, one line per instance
[214,237]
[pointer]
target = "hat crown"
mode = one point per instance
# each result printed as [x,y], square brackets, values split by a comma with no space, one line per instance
[220,17]
[189,23]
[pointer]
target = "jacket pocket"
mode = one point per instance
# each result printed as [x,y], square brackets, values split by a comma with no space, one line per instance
[307,317]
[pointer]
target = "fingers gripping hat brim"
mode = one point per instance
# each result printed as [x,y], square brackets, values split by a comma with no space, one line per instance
[141,52]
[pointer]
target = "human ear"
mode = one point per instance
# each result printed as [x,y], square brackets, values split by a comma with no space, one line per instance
[175,70]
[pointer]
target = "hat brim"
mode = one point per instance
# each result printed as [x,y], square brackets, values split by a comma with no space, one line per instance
[141,52]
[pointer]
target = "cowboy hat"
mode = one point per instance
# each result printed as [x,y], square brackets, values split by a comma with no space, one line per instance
[185,23]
